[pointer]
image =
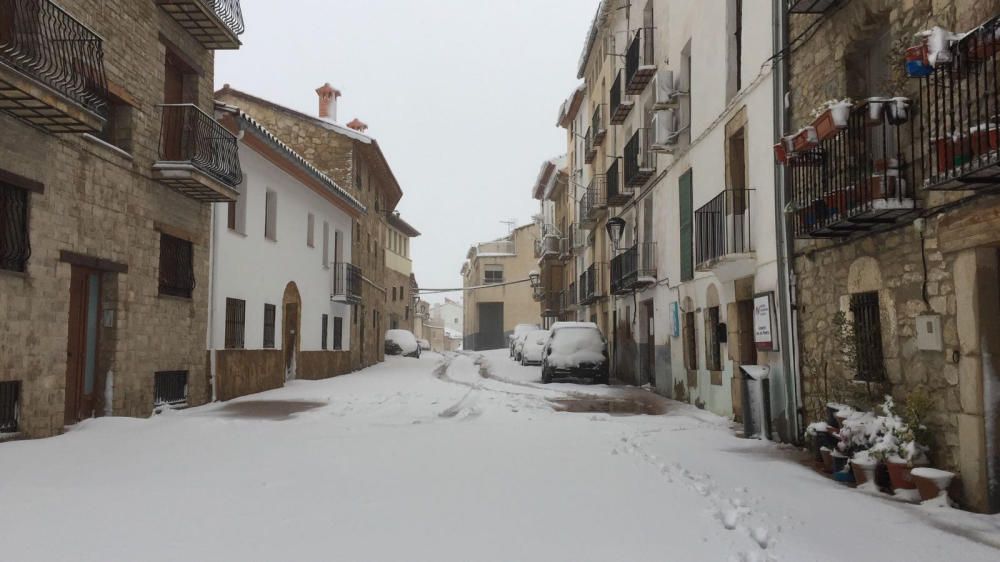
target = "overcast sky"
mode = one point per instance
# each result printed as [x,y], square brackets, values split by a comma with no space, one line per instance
[462,96]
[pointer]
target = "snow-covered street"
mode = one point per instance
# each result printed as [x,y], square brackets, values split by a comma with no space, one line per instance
[464,458]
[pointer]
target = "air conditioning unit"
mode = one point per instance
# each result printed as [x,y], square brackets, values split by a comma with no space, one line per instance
[664,131]
[667,95]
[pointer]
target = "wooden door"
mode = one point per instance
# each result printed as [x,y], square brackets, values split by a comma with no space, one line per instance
[491,333]
[81,355]
[173,121]
[290,333]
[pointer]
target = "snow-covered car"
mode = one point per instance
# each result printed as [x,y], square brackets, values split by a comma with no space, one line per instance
[424,345]
[533,346]
[520,330]
[401,342]
[576,350]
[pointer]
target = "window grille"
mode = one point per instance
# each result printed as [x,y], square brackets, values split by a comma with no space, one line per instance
[235,323]
[269,314]
[170,388]
[176,266]
[15,246]
[10,406]
[868,337]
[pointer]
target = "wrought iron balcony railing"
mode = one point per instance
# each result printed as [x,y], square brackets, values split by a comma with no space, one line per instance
[810,6]
[640,61]
[860,178]
[723,227]
[618,192]
[216,24]
[346,283]
[594,201]
[634,269]
[598,126]
[589,148]
[573,295]
[959,117]
[592,282]
[620,106]
[198,156]
[640,160]
[577,237]
[51,68]
[551,304]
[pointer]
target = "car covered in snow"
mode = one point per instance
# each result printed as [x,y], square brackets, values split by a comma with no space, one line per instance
[520,330]
[576,350]
[401,342]
[424,345]
[532,347]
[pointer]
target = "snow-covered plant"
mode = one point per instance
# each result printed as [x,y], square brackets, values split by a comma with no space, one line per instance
[832,104]
[816,428]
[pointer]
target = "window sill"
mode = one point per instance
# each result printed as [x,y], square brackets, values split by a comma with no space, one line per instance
[14,274]
[235,232]
[108,146]
[188,300]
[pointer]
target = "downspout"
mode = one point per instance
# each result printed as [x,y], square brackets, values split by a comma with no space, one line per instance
[212,253]
[785,241]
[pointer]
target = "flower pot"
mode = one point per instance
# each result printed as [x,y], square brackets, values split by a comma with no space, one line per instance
[882,479]
[884,186]
[917,65]
[899,475]
[951,153]
[899,110]
[806,139]
[876,110]
[780,154]
[839,461]
[863,472]
[841,114]
[831,414]
[825,126]
[983,140]
[827,457]
[931,482]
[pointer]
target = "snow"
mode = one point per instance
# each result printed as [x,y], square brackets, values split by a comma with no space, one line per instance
[940,477]
[533,344]
[573,345]
[447,459]
[404,339]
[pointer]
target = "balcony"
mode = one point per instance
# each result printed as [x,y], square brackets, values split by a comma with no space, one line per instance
[577,238]
[724,235]
[198,156]
[619,106]
[346,283]
[618,193]
[571,297]
[598,126]
[594,202]
[634,269]
[551,304]
[810,6]
[960,114]
[565,248]
[857,180]
[216,24]
[640,61]
[640,160]
[591,284]
[549,246]
[51,68]
[589,149]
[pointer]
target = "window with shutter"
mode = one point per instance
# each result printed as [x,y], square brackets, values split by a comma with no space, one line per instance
[15,248]
[687,226]
[236,315]
[269,313]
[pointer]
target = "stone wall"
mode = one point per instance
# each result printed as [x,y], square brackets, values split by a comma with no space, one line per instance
[400,307]
[242,372]
[102,203]
[319,365]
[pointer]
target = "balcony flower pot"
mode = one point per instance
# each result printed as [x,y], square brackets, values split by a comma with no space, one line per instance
[982,44]
[900,473]
[899,110]
[805,139]
[824,125]
[882,479]
[864,468]
[885,185]
[781,153]
[931,482]
[917,65]
[983,140]
[952,152]
[877,109]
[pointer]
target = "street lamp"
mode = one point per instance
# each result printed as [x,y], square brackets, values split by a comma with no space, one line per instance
[615,227]
[536,279]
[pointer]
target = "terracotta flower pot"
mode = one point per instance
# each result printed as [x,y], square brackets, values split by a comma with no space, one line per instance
[882,479]
[984,140]
[825,126]
[930,482]
[806,139]
[780,153]
[899,475]
[863,472]
[827,457]
[951,153]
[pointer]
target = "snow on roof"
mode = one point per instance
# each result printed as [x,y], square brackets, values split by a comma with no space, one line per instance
[603,11]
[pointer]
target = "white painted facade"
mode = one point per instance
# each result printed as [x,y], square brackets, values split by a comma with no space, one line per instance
[449,315]
[247,265]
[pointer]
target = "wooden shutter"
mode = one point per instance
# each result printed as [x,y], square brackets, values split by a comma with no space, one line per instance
[687,229]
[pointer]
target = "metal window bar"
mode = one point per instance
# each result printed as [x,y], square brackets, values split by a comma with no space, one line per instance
[170,388]
[190,135]
[176,267]
[15,243]
[868,337]
[634,268]
[639,58]
[595,199]
[347,281]
[43,41]
[713,351]
[640,160]
[723,226]
[269,316]
[235,323]
[619,192]
[325,331]
[589,149]
[598,128]
[860,178]
[10,406]
[581,288]
[231,14]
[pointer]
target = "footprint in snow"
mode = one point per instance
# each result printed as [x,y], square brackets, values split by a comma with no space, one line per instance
[760,536]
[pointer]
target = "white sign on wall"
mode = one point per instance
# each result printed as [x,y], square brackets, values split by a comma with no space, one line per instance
[764,324]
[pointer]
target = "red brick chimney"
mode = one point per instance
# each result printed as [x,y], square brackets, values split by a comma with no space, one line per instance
[328,101]
[358,125]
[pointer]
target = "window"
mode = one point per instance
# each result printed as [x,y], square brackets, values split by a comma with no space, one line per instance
[237,210]
[493,274]
[311,230]
[734,61]
[868,336]
[236,317]
[269,312]
[393,294]
[271,215]
[326,244]
[690,342]
[10,406]
[170,388]
[117,129]
[687,226]
[338,246]
[324,330]
[176,266]
[686,85]
[338,333]
[15,246]
[713,350]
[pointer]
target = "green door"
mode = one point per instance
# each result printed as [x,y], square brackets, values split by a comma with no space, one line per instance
[687,226]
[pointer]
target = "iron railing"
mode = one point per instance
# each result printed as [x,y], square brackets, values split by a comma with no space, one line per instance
[230,13]
[723,226]
[170,388]
[598,128]
[594,201]
[347,282]
[592,283]
[10,406]
[589,149]
[959,118]
[552,304]
[810,6]
[577,237]
[870,360]
[15,244]
[640,160]
[859,179]
[619,107]
[41,40]
[634,268]
[192,136]
[640,61]
[618,192]
[572,294]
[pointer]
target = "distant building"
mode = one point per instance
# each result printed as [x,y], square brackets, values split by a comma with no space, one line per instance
[448,314]
[399,273]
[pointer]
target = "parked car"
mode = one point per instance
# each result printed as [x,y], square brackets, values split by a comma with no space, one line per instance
[519,331]
[533,346]
[424,345]
[576,350]
[401,342]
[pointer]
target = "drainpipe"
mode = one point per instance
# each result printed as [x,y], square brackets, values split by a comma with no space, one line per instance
[785,240]
[212,252]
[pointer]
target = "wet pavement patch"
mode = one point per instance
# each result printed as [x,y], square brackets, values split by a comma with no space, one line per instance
[275,410]
[613,406]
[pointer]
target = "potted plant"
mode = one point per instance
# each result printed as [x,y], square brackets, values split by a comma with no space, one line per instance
[982,43]
[877,107]
[917,65]
[953,151]
[830,117]
[780,153]
[805,139]
[931,482]
[983,139]
[864,465]
[898,110]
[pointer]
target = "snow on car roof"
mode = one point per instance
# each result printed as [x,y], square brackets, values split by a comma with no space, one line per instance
[561,325]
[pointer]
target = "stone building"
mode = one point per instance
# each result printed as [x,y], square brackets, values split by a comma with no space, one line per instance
[448,314]
[896,225]
[354,161]
[399,273]
[492,312]
[108,155]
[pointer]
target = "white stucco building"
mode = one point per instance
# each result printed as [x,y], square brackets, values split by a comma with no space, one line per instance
[448,314]
[282,284]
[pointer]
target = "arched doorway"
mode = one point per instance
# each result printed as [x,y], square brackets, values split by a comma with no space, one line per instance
[291,332]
